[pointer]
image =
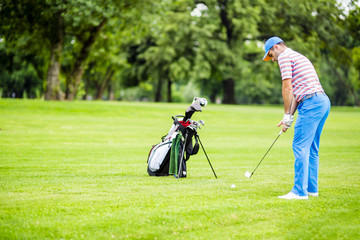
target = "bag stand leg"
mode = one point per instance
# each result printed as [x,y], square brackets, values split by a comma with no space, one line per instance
[182,155]
[206,155]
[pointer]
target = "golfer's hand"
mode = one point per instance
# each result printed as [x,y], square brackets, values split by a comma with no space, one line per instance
[284,129]
[287,120]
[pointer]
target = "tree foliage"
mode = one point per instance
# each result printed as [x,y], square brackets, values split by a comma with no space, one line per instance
[80,48]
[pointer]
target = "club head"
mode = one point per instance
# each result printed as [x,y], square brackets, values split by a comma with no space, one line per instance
[248,174]
[202,122]
[201,101]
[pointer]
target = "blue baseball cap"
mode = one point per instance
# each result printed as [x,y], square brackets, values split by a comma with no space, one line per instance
[269,44]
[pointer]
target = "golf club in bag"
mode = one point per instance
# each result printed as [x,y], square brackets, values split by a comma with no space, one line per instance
[170,155]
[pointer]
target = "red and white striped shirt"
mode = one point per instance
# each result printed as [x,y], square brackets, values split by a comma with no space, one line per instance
[302,73]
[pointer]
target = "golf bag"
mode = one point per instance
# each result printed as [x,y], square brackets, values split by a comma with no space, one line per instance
[169,157]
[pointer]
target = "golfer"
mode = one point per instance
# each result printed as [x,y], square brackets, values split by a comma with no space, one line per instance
[301,90]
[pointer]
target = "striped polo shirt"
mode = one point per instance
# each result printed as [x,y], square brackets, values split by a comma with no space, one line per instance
[302,73]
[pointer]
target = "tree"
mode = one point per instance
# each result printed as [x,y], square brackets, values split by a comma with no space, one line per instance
[85,47]
[17,74]
[86,21]
[166,54]
[55,36]
[24,64]
[106,59]
[224,29]
[352,23]
[52,22]
[309,27]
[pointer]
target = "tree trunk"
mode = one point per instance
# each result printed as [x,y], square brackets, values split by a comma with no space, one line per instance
[229,91]
[158,95]
[229,83]
[104,84]
[53,91]
[111,92]
[227,23]
[169,98]
[213,97]
[74,79]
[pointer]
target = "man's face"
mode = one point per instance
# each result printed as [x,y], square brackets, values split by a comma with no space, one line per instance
[274,53]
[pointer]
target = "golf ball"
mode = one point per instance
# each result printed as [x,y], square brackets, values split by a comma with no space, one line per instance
[232,185]
[247,174]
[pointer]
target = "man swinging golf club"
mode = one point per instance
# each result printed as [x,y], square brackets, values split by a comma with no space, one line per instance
[301,90]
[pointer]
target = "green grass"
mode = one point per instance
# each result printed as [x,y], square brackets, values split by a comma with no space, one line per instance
[77,170]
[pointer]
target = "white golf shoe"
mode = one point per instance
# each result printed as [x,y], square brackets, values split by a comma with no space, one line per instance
[292,195]
[314,194]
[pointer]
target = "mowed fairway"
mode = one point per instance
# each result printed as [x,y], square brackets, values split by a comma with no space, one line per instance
[77,170]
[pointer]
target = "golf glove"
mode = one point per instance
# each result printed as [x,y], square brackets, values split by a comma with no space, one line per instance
[288,120]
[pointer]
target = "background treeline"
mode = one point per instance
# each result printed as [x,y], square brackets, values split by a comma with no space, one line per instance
[172,50]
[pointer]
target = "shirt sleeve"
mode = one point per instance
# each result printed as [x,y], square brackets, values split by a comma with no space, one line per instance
[285,65]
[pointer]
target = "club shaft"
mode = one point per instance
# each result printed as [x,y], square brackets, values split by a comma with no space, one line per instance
[182,156]
[266,152]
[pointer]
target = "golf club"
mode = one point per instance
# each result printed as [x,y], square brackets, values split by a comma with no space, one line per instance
[247,173]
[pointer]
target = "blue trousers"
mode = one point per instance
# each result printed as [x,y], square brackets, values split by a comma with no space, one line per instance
[312,114]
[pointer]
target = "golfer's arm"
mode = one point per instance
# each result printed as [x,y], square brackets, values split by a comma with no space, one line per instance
[288,96]
[293,106]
